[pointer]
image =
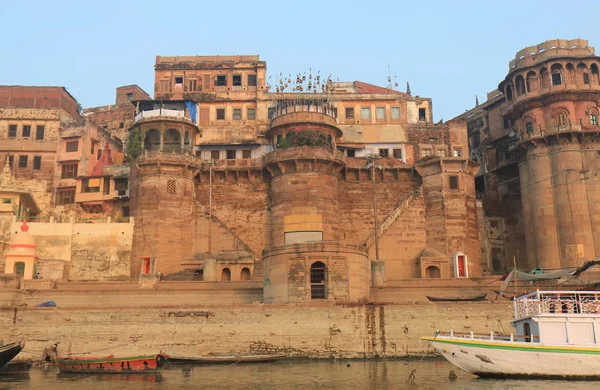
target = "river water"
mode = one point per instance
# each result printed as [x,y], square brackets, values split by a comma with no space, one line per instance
[347,374]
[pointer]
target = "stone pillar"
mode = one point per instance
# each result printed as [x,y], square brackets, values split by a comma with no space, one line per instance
[377,273]
[209,273]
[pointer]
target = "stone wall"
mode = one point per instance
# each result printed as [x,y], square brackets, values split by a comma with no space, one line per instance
[82,251]
[313,330]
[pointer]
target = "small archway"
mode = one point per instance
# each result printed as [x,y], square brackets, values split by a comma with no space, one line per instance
[582,69]
[571,72]
[595,74]
[557,74]
[545,78]
[509,94]
[226,274]
[520,85]
[152,140]
[433,272]
[245,275]
[186,142]
[318,281]
[172,142]
[531,81]
[20,268]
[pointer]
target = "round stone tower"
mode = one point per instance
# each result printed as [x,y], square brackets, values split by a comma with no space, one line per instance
[552,92]
[162,191]
[305,259]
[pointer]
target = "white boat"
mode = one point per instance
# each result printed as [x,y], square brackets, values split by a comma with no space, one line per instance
[557,337]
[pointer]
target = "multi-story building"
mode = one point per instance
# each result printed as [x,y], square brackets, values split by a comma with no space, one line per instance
[539,145]
[30,119]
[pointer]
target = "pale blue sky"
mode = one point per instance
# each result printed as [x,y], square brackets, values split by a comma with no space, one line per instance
[447,50]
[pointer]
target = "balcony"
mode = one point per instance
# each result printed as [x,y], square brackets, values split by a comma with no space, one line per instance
[543,131]
[557,303]
[160,112]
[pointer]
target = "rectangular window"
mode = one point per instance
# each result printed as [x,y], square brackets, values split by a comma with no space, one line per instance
[236,80]
[121,186]
[72,146]
[178,80]
[593,119]
[441,152]
[422,114]
[246,153]
[214,155]
[221,81]
[251,114]
[506,122]
[237,114]
[398,154]
[92,147]
[231,154]
[37,163]
[365,113]
[220,114]
[586,78]
[425,152]
[192,85]
[69,171]
[380,113]
[385,153]
[349,113]
[39,132]
[271,112]
[556,79]
[351,153]
[252,80]
[453,182]
[26,131]
[12,131]
[106,187]
[22,161]
[90,185]
[65,196]
[395,112]
[457,153]
[129,96]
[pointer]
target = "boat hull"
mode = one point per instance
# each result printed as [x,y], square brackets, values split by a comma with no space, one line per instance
[505,359]
[129,365]
[9,351]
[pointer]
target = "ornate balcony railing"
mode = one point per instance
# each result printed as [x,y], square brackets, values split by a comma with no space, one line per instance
[557,303]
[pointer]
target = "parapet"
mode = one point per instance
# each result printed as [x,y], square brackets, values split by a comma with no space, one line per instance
[208,62]
[549,49]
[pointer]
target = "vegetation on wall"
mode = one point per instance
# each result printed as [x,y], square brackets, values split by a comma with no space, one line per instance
[133,145]
[309,138]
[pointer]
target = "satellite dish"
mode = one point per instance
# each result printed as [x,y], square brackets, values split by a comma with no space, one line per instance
[511,134]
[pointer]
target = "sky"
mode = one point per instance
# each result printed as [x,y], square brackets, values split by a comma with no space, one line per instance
[449,51]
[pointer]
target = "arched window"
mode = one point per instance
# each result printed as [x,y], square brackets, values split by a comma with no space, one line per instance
[433,272]
[562,119]
[509,94]
[593,117]
[531,81]
[584,73]
[557,77]
[152,140]
[318,281]
[245,275]
[571,72]
[529,127]
[595,74]
[172,141]
[545,78]
[520,85]
[226,274]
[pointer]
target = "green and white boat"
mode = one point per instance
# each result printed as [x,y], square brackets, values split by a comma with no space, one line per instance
[557,337]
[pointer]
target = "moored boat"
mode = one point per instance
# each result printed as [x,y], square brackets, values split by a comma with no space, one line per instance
[226,359]
[557,337]
[111,365]
[480,297]
[9,351]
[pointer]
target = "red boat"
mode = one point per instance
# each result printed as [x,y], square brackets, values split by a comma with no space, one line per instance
[111,365]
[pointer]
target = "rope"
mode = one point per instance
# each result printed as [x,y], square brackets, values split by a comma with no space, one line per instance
[412,376]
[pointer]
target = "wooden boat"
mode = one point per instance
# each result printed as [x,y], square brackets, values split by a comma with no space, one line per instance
[225,359]
[111,365]
[457,299]
[9,351]
[557,337]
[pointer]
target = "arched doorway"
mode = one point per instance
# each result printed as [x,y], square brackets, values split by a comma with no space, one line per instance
[172,142]
[226,274]
[20,268]
[433,272]
[318,281]
[152,140]
[245,275]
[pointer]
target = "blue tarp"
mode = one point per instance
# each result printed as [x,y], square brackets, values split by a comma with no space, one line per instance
[47,304]
[192,108]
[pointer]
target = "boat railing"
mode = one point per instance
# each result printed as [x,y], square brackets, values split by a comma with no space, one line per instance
[492,336]
[557,303]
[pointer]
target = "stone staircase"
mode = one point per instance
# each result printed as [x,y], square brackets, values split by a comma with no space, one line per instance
[405,204]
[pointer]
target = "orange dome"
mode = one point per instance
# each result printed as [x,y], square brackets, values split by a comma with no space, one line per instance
[23,239]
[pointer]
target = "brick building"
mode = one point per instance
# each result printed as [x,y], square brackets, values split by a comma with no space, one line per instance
[537,140]
[221,188]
